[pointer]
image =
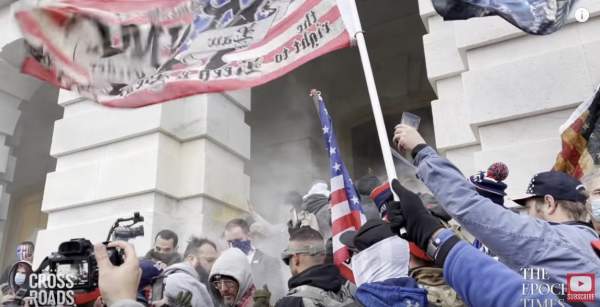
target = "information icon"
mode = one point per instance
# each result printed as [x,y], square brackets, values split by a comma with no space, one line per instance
[582,15]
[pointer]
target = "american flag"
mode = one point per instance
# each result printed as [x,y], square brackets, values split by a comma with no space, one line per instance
[140,52]
[346,211]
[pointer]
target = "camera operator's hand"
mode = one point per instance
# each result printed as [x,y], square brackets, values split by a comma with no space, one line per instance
[10,300]
[406,138]
[7,300]
[410,213]
[117,282]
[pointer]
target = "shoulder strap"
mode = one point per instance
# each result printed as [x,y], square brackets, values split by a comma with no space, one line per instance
[307,291]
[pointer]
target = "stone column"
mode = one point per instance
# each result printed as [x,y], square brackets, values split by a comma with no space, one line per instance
[180,164]
[502,94]
[9,115]
[14,89]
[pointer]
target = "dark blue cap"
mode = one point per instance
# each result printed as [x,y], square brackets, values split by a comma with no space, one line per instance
[150,270]
[559,185]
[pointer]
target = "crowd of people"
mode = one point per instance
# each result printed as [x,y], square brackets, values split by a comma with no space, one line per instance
[458,246]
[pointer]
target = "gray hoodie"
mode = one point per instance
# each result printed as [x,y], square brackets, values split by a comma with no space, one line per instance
[183,277]
[233,262]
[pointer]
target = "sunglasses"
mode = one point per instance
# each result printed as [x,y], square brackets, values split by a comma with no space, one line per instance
[227,283]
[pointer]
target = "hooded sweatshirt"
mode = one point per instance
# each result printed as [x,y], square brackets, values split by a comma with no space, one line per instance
[182,277]
[318,204]
[326,277]
[234,263]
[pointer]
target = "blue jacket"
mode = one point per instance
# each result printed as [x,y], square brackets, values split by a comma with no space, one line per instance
[395,292]
[519,241]
[482,281]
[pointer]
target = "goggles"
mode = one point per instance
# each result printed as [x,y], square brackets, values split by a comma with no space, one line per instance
[311,250]
[221,280]
[227,283]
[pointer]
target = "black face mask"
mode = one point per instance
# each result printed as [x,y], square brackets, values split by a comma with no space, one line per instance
[165,258]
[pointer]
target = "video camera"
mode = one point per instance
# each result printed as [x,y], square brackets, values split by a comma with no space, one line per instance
[73,267]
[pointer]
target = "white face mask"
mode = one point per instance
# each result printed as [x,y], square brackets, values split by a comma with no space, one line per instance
[20,278]
[384,260]
[595,204]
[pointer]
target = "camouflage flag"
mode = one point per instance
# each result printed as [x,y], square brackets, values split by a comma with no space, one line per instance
[580,139]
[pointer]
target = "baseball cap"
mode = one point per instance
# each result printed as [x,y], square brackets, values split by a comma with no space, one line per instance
[370,233]
[150,270]
[558,184]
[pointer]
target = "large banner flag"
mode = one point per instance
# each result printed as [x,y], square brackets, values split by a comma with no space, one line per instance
[346,210]
[580,136]
[538,17]
[131,53]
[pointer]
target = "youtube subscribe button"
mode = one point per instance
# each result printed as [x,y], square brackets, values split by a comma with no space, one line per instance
[581,287]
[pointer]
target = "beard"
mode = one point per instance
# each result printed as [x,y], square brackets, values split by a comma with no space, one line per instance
[229,302]
[202,274]
[167,259]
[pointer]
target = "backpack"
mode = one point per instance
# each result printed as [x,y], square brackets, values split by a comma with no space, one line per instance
[317,297]
[158,284]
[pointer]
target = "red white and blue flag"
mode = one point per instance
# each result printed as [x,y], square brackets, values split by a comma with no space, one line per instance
[346,210]
[131,53]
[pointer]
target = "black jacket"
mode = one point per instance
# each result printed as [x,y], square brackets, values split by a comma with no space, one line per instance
[325,276]
[166,259]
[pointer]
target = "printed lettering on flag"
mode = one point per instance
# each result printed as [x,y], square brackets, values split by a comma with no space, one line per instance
[132,53]
[346,210]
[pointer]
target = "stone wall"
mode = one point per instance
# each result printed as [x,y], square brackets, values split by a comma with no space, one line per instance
[180,164]
[502,94]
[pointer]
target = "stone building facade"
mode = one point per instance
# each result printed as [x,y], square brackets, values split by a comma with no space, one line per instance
[69,167]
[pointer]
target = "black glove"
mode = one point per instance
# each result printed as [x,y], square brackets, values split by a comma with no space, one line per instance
[409,213]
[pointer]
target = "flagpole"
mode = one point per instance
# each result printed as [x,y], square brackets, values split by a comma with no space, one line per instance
[386,150]
[376,106]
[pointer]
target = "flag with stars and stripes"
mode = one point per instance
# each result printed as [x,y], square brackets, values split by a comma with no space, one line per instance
[132,53]
[346,210]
